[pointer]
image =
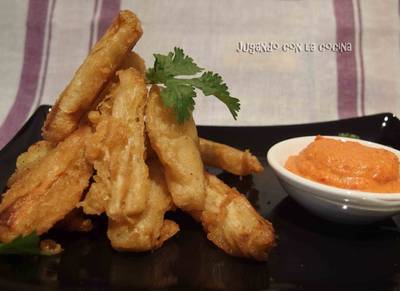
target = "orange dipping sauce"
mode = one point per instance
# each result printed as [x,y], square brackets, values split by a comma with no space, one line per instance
[348,165]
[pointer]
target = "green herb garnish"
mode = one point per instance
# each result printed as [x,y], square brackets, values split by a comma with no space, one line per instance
[23,245]
[349,135]
[179,93]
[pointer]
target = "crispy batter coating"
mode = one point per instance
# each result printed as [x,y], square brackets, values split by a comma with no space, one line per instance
[48,192]
[228,218]
[27,160]
[99,67]
[133,60]
[50,246]
[134,202]
[232,160]
[233,224]
[131,185]
[151,230]
[103,99]
[178,150]
[117,150]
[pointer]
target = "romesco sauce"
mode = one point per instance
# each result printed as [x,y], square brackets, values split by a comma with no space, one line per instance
[347,164]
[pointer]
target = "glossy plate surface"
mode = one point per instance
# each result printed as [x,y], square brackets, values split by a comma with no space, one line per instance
[312,254]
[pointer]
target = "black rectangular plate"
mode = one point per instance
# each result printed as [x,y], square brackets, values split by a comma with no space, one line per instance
[311,254]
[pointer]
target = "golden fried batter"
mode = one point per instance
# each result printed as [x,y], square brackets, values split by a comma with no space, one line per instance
[134,202]
[99,67]
[49,191]
[178,150]
[117,150]
[228,218]
[133,185]
[232,160]
[27,160]
[233,224]
[151,230]
[133,60]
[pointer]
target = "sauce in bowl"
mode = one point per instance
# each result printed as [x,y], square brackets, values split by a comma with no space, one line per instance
[348,165]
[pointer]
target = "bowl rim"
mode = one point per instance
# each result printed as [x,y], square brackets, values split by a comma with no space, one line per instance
[378,197]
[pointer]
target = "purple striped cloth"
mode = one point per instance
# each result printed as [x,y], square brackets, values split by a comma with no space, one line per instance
[352,70]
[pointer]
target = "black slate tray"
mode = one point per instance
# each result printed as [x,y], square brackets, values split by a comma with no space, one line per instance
[311,254]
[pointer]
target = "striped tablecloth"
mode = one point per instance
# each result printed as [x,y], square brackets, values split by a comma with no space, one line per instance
[42,43]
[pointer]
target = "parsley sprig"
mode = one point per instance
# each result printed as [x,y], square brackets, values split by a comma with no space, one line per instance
[23,245]
[179,93]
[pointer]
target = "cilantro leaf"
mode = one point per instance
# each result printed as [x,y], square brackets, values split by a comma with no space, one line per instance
[23,245]
[179,97]
[212,84]
[174,64]
[179,93]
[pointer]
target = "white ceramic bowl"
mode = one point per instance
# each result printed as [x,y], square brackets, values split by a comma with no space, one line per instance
[332,203]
